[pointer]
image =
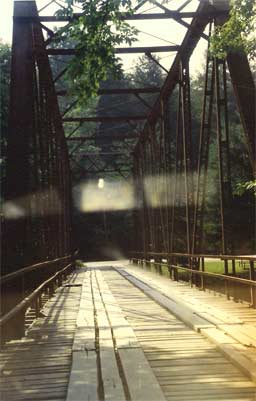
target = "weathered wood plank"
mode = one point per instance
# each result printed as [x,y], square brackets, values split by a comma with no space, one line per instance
[83,381]
[177,359]
[141,380]
[124,335]
[113,387]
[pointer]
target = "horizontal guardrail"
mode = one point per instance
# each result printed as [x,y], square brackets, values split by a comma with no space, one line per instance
[25,303]
[28,293]
[28,269]
[202,275]
[195,255]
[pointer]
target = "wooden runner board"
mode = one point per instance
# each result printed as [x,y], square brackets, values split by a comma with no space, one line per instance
[124,335]
[83,381]
[114,338]
[85,329]
[111,380]
[184,357]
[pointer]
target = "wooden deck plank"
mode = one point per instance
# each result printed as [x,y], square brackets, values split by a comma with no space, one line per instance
[124,335]
[175,359]
[112,384]
[138,348]
[37,367]
[83,381]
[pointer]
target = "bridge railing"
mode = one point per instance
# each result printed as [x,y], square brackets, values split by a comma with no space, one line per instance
[25,288]
[191,268]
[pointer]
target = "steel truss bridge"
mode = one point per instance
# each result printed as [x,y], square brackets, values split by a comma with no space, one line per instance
[39,248]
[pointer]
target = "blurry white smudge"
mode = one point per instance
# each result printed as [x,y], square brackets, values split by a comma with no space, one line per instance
[157,190]
[12,210]
[101,183]
[36,204]
[102,195]
[113,253]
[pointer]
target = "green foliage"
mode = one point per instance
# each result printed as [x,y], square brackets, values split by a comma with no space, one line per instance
[238,32]
[95,34]
[5,65]
[147,72]
[248,186]
[5,61]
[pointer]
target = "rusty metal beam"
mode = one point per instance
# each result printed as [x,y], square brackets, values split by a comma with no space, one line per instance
[107,171]
[177,17]
[187,47]
[48,30]
[99,154]
[244,91]
[149,55]
[119,50]
[70,107]
[143,101]
[170,14]
[105,136]
[60,75]
[37,164]
[184,5]
[118,91]
[103,119]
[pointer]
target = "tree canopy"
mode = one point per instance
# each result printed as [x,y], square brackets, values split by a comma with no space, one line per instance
[238,32]
[101,27]
[95,34]
[5,64]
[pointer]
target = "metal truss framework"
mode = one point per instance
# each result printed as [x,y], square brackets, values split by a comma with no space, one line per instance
[180,213]
[38,172]
[38,169]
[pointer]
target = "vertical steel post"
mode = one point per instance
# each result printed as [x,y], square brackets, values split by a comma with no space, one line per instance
[38,176]
[187,149]
[223,150]
[244,91]
[18,188]
[203,155]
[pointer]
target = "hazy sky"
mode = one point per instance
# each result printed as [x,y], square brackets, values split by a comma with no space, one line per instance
[164,31]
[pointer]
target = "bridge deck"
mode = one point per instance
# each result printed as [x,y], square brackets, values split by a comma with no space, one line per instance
[111,333]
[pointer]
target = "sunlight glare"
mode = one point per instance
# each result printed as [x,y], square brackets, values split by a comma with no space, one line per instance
[101,195]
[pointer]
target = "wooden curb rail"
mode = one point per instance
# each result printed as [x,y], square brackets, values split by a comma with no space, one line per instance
[107,362]
[217,333]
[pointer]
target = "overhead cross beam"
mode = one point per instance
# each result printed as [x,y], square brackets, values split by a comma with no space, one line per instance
[169,14]
[177,17]
[103,119]
[119,91]
[108,171]
[99,154]
[105,136]
[97,168]
[119,50]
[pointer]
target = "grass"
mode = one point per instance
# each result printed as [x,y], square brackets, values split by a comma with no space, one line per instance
[217,266]
[212,266]
[236,290]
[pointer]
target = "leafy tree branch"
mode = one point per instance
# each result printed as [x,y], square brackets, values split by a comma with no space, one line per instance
[95,34]
[238,32]
[248,186]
